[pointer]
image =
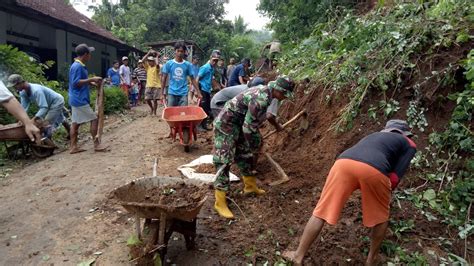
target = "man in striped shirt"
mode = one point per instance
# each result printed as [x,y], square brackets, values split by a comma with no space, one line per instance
[140,74]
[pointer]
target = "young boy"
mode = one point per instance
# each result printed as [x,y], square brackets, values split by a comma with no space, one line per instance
[134,92]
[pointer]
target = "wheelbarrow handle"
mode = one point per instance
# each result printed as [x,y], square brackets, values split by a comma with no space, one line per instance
[164,101]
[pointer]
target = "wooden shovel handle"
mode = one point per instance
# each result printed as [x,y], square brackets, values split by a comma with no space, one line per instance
[303,112]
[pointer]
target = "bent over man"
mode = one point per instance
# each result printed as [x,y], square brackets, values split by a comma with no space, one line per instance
[237,138]
[374,165]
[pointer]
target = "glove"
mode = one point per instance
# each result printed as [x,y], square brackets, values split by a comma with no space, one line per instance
[394,180]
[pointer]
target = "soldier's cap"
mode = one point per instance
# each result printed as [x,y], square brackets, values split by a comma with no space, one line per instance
[14,80]
[283,84]
[398,125]
[83,49]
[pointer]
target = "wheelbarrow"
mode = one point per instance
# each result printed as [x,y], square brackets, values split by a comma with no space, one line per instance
[183,121]
[160,220]
[16,132]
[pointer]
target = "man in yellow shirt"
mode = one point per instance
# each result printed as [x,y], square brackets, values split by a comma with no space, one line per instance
[153,83]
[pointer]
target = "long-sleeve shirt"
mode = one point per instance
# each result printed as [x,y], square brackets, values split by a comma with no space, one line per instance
[245,113]
[389,152]
[45,98]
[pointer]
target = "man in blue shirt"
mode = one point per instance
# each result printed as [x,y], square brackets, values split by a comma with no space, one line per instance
[113,74]
[50,103]
[204,78]
[79,97]
[178,71]
[239,74]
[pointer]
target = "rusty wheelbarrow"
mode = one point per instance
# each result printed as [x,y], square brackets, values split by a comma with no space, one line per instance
[16,132]
[160,220]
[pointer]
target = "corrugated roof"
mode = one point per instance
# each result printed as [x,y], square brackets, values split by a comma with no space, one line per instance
[59,10]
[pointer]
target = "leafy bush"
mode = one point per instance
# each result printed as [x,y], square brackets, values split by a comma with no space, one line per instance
[115,100]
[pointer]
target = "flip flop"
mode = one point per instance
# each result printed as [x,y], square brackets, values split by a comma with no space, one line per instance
[77,150]
[101,148]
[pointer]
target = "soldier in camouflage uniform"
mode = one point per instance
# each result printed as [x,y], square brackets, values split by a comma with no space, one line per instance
[237,138]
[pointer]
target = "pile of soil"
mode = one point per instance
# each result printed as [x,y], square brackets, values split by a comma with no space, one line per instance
[175,196]
[206,168]
[180,195]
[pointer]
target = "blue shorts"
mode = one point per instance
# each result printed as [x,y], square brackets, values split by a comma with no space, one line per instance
[177,100]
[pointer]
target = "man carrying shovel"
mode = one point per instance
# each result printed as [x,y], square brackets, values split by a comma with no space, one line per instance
[237,138]
[79,98]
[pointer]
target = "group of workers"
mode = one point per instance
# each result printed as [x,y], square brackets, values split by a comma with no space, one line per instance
[375,165]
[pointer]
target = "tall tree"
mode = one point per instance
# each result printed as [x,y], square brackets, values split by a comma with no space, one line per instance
[292,20]
[240,27]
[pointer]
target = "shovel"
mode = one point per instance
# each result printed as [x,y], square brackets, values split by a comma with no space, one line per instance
[304,124]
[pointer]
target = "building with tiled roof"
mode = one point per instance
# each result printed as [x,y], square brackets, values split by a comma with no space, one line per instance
[50,29]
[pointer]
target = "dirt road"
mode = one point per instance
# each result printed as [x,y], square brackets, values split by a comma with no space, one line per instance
[56,211]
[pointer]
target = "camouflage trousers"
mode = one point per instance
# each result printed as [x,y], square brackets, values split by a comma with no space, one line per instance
[230,148]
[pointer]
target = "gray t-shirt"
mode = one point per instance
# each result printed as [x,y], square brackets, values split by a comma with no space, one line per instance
[219,100]
[5,94]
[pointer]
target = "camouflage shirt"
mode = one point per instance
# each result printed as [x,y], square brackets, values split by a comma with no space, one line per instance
[245,112]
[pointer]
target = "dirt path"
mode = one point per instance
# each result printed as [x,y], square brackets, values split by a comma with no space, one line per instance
[56,211]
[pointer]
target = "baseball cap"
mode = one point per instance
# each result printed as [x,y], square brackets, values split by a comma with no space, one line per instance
[14,80]
[255,82]
[83,49]
[398,125]
[283,84]
[150,58]
[140,61]
[216,54]
[124,58]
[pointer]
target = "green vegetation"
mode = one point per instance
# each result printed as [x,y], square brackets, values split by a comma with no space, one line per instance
[449,163]
[142,21]
[356,55]
[294,20]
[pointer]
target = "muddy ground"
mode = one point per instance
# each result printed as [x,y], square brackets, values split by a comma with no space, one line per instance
[58,211]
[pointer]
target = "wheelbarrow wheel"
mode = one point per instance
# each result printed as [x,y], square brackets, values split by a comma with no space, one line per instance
[44,150]
[186,139]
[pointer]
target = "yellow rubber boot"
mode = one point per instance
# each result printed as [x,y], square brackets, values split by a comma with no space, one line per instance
[221,205]
[250,185]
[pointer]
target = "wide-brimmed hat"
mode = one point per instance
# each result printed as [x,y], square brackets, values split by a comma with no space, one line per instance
[150,58]
[14,80]
[83,49]
[283,84]
[398,125]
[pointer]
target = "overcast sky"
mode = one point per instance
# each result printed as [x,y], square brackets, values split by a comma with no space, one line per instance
[248,10]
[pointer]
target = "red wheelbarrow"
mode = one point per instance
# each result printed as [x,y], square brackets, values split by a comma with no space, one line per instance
[183,121]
